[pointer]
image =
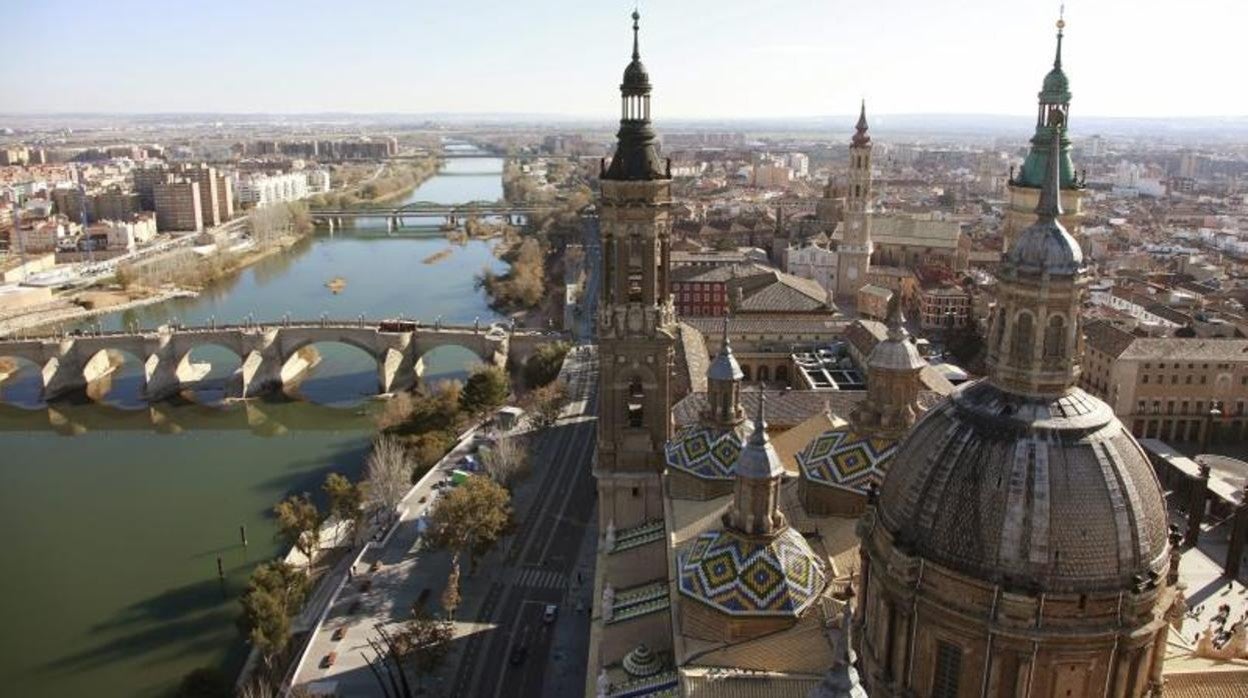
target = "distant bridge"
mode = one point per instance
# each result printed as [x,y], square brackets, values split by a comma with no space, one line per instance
[451,214]
[270,354]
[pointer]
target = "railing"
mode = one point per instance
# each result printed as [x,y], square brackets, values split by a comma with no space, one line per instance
[360,322]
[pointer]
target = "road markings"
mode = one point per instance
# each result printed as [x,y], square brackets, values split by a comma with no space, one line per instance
[539,579]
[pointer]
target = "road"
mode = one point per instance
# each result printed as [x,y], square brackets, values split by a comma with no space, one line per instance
[539,564]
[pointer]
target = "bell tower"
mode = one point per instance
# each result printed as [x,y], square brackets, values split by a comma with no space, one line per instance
[854,253]
[637,321]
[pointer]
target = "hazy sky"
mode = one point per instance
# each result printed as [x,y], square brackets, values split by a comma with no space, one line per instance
[707,58]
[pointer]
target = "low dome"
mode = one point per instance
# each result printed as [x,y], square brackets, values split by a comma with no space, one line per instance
[707,452]
[747,576]
[1056,87]
[1045,247]
[844,458]
[900,355]
[1033,493]
[635,76]
[641,662]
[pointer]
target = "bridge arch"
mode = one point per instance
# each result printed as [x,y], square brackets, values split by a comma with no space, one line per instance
[331,370]
[21,379]
[209,371]
[116,376]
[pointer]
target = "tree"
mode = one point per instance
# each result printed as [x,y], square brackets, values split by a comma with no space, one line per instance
[346,499]
[205,682]
[450,595]
[547,404]
[485,390]
[506,460]
[388,473]
[426,641]
[545,363]
[275,592]
[299,524]
[470,519]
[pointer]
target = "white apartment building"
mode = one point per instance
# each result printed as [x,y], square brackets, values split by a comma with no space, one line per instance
[264,190]
[318,180]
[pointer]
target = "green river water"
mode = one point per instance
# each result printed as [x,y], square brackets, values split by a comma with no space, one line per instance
[115,512]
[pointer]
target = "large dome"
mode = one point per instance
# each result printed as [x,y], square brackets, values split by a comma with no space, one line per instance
[1037,494]
[1045,247]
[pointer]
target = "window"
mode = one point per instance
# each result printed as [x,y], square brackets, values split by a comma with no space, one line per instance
[636,404]
[1204,379]
[1020,351]
[1145,379]
[1174,378]
[948,669]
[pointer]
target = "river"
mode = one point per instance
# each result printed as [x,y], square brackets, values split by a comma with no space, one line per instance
[115,512]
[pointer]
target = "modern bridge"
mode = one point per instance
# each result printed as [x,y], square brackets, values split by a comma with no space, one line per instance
[270,354]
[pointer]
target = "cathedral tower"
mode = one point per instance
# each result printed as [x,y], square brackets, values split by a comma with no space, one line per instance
[636,324]
[1025,184]
[854,253]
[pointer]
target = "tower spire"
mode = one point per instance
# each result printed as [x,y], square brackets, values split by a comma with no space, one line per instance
[1061,24]
[860,129]
[1049,207]
[636,28]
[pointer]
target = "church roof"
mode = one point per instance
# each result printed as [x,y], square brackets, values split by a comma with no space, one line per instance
[706,452]
[845,458]
[747,576]
[1049,493]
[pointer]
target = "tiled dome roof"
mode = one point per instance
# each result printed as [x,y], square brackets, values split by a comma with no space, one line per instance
[740,575]
[707,452]
[1034,493]
[844,458]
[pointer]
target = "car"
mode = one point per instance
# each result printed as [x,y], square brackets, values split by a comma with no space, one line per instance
[518,654]
[548,615]
[339,633]
[329,660]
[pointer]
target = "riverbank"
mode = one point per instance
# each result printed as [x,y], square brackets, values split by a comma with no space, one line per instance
[379,191]
[66,311]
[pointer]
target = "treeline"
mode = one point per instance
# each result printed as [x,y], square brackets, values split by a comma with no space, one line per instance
[398,180]
[523,286]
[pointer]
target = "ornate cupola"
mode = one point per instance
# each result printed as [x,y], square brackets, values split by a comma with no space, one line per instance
[1034,344]
[756,497]
[723,391]
[893,382]
[701,458]
[1054,98]
[636,156]
[861,139]
[756,575]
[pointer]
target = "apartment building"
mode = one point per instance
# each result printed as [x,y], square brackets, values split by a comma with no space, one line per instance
[263,190]
[179,206]
[1168,387]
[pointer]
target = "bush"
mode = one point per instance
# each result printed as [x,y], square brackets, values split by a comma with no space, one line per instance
[544,365]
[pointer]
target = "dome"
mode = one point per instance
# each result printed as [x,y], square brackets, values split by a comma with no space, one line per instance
[636,77]
[1032,493]
[1045,246]
[1056,88]
[705,451]
[725,367]
[896,355]
[740,575]
[641,662]
[844,458]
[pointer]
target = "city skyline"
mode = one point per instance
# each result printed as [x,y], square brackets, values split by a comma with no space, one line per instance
[737,61]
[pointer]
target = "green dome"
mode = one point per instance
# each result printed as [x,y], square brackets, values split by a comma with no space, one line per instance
[1056,87]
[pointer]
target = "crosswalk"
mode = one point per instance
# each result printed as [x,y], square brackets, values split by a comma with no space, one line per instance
[539,579]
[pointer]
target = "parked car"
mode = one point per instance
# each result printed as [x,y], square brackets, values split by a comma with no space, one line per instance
[329,660]
[548,616]
[339,633]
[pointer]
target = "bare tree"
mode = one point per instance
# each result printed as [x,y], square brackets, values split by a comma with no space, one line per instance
[507,460]
[388,474]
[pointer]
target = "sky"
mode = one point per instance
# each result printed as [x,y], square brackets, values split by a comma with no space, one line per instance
[716,59]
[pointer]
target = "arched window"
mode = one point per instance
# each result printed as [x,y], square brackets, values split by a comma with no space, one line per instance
[745,372]
[764,373]
[782,373]
[1055,338]
[1024,335]
[636,406]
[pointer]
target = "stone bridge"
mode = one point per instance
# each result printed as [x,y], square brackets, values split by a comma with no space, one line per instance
[269,355]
